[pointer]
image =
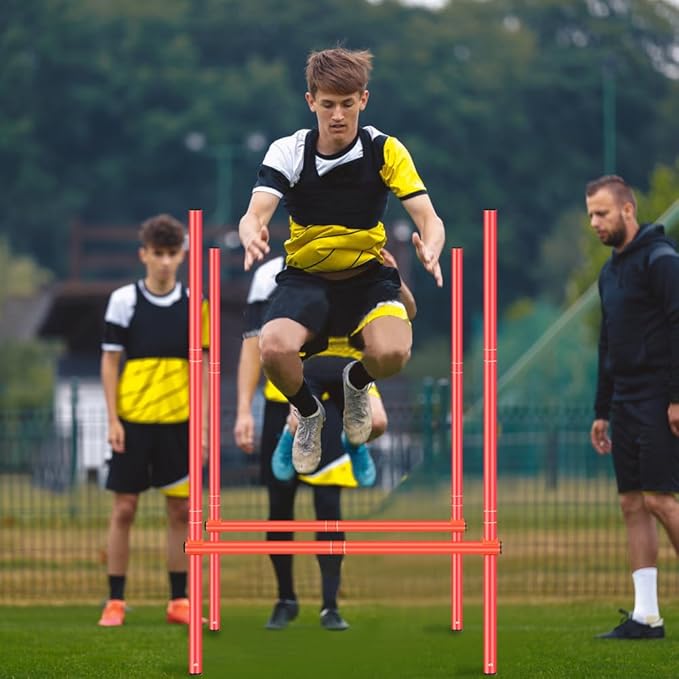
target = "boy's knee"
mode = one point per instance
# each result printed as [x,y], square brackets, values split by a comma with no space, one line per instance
[657,503]
[178,511]
[274,348]
[632,503]
[390,360]
[124,513]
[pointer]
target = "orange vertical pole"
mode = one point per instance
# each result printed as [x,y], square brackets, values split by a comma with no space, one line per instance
[195,438]
[490,438]
[214,504]
[456,425]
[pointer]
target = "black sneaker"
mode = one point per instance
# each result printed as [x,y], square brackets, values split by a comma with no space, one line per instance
[333,621]
[283,612]
[631,629]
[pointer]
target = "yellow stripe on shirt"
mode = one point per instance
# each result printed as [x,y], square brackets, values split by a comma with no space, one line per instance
[331,247]
[154,391]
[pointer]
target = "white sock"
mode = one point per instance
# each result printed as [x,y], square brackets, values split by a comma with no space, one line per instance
[646,596]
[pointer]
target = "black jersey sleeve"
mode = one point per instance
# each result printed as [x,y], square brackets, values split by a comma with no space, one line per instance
[270,178]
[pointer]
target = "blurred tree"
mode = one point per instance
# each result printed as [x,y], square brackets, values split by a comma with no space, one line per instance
[26,367]
[501,105]
[20,276]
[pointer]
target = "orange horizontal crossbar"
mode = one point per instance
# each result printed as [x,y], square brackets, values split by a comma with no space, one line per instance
[450,526]
[341,547]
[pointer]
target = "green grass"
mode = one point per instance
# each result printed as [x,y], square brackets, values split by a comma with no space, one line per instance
[554,640]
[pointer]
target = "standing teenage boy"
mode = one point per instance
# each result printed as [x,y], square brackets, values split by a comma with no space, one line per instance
[148,409]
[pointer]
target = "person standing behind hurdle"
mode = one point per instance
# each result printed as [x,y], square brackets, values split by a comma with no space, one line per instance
[342,465]
[638,387]
[334,181]
[148,408]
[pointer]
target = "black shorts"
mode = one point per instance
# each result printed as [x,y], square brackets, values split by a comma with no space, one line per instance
[645,452]
[331,308]
[155,455]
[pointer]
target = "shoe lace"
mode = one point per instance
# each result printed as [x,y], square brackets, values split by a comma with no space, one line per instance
[306,430]
[358,409]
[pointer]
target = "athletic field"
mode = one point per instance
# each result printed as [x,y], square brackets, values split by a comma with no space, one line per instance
[411,642]
[566,542]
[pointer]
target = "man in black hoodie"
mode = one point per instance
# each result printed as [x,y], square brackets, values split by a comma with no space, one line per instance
[638,387]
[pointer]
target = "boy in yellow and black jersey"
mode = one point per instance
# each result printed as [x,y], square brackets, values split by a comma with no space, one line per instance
[148,408]
[334,182]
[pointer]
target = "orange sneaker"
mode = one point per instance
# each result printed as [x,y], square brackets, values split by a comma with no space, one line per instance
[113,614]
[178,612]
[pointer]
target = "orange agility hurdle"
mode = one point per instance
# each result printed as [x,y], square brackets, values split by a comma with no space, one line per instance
[488,547]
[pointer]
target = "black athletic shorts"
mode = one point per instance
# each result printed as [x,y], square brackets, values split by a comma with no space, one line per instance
[331,308]
[645,452]
[155,455]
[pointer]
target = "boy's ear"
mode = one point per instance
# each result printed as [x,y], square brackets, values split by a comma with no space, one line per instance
[142,254]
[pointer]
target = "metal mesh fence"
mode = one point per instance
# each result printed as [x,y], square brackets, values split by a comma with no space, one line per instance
[559,520]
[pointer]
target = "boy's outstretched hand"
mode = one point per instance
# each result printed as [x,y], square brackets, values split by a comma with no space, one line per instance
[256,248]
[429,260]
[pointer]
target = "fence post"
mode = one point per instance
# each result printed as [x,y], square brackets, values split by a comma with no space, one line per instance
[552,459]
[427,421]
[74,445]
[443,423]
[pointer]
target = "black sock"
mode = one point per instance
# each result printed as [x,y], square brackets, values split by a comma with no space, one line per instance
[177,584]
[304,401]
[282,565]
[359,376]
[330,586]
[116,586]
[331,568]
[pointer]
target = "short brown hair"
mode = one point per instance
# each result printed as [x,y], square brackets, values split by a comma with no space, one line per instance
[338,70]
[162,231]
[616,185]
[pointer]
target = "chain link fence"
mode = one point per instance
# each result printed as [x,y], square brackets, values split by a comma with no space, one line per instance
[559,521]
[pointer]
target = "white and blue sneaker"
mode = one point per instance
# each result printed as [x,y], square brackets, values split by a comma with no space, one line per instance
[281,460]
[361,462]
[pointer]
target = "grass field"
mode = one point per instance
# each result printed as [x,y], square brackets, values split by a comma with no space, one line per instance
[384,642]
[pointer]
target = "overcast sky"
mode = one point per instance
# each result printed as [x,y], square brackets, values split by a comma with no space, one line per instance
[440,3]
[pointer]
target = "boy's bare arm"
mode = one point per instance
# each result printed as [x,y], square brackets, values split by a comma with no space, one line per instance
[253,227]
[249,370]
[431,238]
[110,375]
